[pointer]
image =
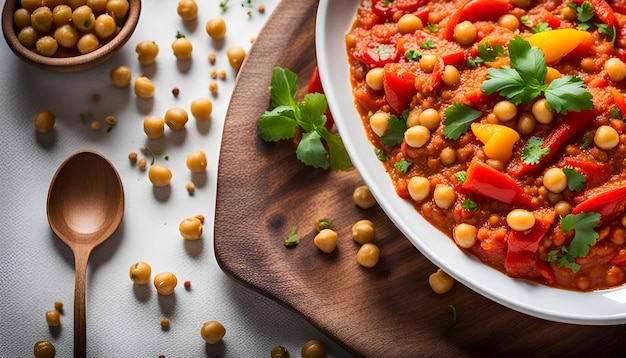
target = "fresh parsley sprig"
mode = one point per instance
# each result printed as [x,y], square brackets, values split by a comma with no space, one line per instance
[534,151]
[585,236]
[457,119]
[317,146]
[524,81]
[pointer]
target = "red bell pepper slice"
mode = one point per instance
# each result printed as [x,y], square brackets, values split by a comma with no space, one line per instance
[520,257]
[476,10]
[486,181]
[387,9]
[608,204]
[399,85]
[602,10]
[619,99]
[557,138]
[315,86]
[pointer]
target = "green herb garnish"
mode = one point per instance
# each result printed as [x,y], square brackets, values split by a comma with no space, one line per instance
[395,131]
[413,55]
[428,44]
[383,51]
[469,204]
[461,176]
[457,119]
[534,151]
[293,238]
[524,81]
[380,154]
[433,28]
[402,165]
[455,317]
[288,117]
[575,180]
[585,236]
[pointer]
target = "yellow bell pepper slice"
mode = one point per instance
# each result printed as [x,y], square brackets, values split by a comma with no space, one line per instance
[557,43]
[498,140]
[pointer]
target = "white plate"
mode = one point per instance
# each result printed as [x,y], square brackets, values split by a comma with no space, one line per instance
[606,307]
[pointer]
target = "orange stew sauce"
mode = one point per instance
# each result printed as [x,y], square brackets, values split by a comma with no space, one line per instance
[503,122]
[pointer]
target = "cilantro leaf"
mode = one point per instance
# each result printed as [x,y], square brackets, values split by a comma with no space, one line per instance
[380,154]
[469,204]
[575,180]
[383,51]
[534,151]
[283,88]
[568,93]
[490,53]
[461,176]
[277,124]
[395,131]
[585,236]
[457,119]
[402,165]
[293,238]
[337,153]
[311,151]
[428,44]
[528,61]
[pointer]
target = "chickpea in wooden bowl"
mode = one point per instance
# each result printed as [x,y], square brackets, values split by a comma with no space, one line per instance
[68,35]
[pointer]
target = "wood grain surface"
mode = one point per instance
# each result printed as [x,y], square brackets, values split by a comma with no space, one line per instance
[386,311]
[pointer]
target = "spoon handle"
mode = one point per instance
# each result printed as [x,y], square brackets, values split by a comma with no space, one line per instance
[80,326]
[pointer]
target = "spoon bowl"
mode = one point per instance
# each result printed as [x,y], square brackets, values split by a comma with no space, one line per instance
[85,206]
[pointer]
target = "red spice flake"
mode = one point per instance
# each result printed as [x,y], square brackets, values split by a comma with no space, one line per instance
[175,91]
[187,284]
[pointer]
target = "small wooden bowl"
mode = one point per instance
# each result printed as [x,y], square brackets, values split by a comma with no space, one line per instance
[71,63]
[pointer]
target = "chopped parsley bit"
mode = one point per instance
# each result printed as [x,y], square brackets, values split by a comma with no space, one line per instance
[585,142]
[525,81]
[461,176]
[180,35]
[433,28]
[383,51]
[428,44]
[533,152]
[575,180]
[380,154]
[413,55]
[395,131]
[541,27]
[616,114]
[525,21]
[152,154]
[584,16]
[454,316]
[402,165]
[224,5]
[486,53]
[457,119]
[293,238]
[469,204]
[288,117]
[585,236]
[323,224]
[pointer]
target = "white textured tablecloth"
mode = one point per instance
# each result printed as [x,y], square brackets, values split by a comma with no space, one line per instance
[37,269]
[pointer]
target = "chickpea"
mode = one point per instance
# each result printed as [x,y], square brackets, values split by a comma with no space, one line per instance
[212,332]
[326,240]
[58,305]
[409,23]
[44,121]
[509,21]
[440,282]
[368,255]
[379,122]
[197,162]
[83,18]
[562,208]
[201,108]
[182,48]
[191,188]
[417,136]
[165,323]
[142,163]
[110,120]
[614,275]
[46,46]
[44,349]
[165,283]
[555,180]
[190,228]
[363,231]
[28,36]
[526,124]
[236,55]
[105,26]
[313,349]
[279,352]
[465,33]
[154,127]
[187,10]
[615,69]
[144,88]
[543,114]
[66,36]
[505,110]
[159,175]
[363,197]
[120,76]
[568,13]
[53,318]
[465,235]
[213,87]
[413,117]
[61,15]
[76,3]
[430,118]
[606,137]
[96,5]
[447,156]
[451,76]
[88,43]
[523,4]
[374,78]
[176,118]
[140,273]
[216,28]
[444,196]
[41,19]
[117,8]
[21,18]
[427,63]
[419,188]
[520,219]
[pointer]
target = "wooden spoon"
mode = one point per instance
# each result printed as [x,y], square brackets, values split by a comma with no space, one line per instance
[85,206]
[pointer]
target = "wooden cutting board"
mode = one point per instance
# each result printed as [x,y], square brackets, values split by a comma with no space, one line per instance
[386,311]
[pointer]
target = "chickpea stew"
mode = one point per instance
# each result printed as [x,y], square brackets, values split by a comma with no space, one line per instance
[502,121]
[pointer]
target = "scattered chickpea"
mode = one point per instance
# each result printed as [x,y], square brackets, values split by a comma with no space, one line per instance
[261,8]
[212,57]
[182,47]
[159,175]
[165,283]
[221,74]
[363,231]
[176,118]
[200,217]
[140,273]
[363,197]
[313,349]
[279,352]
[197,162]
[95,125]
[326,240]
[212,332]
[368,255]
[201,108]
[191,188]
[187,285]
[165,323]
[440,282]
[58,305]
[44,121]
[44,349]
[120,76]
[154,127]
[190,228]
[53,318]
[236,55]
[213,87]
[110,120]
[216,28]
[187,10]
[213,73]
[147,52]
[144,88]
[142,163]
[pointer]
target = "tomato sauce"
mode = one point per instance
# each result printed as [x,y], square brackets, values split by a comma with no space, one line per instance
[520,160]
